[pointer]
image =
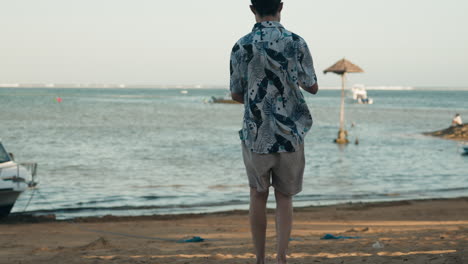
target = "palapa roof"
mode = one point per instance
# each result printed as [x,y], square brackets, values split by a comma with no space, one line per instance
[343,66]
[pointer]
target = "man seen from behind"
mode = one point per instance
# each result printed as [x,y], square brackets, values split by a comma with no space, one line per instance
[268,67]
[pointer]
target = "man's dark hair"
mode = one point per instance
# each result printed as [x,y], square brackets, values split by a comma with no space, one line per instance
[266,7]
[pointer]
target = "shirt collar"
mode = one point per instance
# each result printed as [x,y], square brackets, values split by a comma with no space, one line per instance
[267,24]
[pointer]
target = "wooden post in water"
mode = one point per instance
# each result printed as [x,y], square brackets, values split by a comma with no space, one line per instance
[342,133]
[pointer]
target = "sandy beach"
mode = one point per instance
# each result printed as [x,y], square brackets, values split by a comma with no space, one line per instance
[427,231]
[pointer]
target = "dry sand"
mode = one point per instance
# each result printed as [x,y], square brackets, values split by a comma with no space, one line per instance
[430,231]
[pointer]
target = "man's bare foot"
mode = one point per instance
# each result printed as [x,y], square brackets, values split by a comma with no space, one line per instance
[281,260]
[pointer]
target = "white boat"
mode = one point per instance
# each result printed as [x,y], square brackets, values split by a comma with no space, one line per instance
[359,94]
[14,179]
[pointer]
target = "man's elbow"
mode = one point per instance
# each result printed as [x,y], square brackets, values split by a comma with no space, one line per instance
[313,89]
[237,97]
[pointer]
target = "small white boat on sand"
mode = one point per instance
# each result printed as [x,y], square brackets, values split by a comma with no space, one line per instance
[15,178]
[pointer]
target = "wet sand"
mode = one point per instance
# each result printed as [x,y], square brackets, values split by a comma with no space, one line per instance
[428,231]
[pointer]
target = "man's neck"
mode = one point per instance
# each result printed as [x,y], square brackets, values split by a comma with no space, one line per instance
[276,18]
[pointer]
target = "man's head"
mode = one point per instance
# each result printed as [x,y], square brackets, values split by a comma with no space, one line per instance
[266,8]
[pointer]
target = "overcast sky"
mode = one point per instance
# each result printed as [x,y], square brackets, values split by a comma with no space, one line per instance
[398,42]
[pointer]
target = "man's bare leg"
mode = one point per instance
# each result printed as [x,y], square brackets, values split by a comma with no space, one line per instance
[258,222]
[284,215]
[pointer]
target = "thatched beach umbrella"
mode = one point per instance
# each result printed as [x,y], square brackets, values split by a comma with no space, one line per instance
[341,68]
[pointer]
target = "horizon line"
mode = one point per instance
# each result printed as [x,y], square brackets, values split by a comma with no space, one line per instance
[205,86]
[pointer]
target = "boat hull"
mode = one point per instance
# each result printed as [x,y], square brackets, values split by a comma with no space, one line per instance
[7,201]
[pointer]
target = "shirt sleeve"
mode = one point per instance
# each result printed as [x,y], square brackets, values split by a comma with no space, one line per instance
[237,84]
[306,74]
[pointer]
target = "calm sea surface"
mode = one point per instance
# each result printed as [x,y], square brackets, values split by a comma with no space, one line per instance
[156,151]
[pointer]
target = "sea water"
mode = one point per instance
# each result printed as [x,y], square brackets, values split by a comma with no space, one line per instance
[160,151]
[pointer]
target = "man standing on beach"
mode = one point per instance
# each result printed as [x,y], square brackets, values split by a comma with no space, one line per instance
[268,66]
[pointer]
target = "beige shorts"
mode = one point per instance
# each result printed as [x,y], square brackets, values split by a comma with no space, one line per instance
[284,171]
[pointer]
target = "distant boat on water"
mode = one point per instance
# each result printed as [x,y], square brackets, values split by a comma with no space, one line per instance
[359,94]
[221,100]
[15,178]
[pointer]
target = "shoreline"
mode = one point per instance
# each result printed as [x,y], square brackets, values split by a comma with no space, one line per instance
[31,218]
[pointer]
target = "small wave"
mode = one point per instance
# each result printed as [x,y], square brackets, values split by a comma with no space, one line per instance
[385,195]
[456,189]
[408,193]
[136,208]
[175,186]
[389,88]
[146,197]
[375,88]
[151,197]
[227,186]
[138,96]
[158,197]
[105,200]
[129,96]
[345,197]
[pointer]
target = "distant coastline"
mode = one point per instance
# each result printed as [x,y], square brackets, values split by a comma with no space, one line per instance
[110,86]
[212,86]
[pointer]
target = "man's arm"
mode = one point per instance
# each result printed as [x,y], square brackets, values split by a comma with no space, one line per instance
[237,84]
[313,89]
[238,97]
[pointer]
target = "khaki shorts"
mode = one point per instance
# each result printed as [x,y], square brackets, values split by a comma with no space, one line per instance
[284,171]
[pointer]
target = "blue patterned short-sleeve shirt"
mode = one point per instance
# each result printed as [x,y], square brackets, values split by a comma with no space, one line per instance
[268,66]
